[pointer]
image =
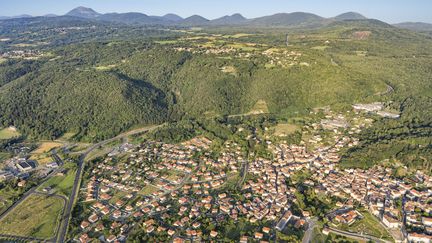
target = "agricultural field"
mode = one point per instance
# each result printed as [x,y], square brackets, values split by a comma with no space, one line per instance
[37,216]
[7,197]
[42,159]
[41,154]
[46,147]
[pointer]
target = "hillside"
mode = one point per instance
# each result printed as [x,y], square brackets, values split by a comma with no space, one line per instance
[288,19]
[194,20]
[416,26]
[83,12]
[109,86]
[350,16]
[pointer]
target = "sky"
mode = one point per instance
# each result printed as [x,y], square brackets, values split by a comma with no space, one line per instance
[390,11]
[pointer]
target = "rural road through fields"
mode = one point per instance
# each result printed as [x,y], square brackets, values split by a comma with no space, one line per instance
[67,213]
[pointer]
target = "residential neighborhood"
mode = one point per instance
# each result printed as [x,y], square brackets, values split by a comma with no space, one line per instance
[183,192]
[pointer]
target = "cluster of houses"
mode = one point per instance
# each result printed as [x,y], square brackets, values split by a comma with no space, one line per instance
[283,58]
[182,191]
[26,54]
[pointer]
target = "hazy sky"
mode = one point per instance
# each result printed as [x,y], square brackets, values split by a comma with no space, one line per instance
[391,11]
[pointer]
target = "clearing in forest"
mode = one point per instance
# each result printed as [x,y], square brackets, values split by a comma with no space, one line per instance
[8,133]
[260,107]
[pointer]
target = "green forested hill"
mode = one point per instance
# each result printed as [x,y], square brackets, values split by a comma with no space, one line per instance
[98,89]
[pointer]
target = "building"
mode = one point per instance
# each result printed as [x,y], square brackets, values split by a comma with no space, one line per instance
[5,175]
[391,222]
[284,220]
[25,166]
[419,238]
[427,221]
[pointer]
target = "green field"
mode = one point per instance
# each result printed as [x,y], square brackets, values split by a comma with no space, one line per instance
[4,156]
[66,136]
[147,190]
[61,184]
[340,239]
[37,216]
[368,225]
[7,197]
[318,236]
[284,129]
[8,133]
[260,107]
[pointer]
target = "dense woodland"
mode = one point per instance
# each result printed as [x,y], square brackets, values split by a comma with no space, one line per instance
[105,78]
[407,140]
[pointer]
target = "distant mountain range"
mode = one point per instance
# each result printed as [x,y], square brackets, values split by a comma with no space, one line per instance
[16,17]
[295,19]
[280,19]
[416,26]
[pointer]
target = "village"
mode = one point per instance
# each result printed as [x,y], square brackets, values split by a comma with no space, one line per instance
[185,191]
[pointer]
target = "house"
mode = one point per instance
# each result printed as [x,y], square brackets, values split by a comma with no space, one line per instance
[258,235]
[419,238]
[213,233]
[84,224]
[284,220]
[93,218]
[178,240]
[5,175]
[52,165]
[427,221]
[84,238]
[390,222]
[111,238]
[243,239]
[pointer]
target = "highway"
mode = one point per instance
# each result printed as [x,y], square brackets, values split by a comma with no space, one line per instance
[77,181]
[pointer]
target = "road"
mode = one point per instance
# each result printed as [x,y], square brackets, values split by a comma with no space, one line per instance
[357,236]
[29,193]
[20,238]
[77,181]
[312,224]
[33,189]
